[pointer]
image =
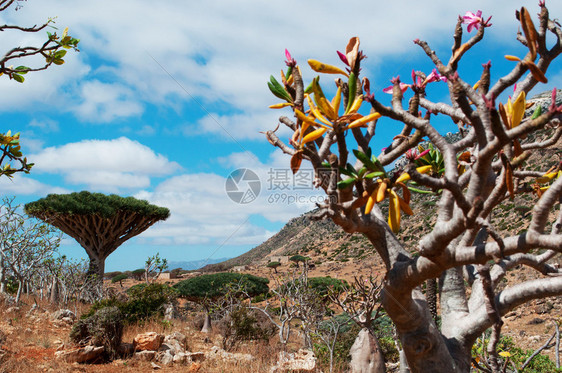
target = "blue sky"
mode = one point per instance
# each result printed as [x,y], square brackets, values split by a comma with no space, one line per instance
[164,101]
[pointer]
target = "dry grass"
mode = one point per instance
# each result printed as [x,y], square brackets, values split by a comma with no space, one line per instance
[32,340]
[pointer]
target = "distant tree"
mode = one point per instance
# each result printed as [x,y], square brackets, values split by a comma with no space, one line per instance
[100,223]
[119,278]
[176,272]
[25,244]
[51,51]
[297,259]
[138,274]
[154,264]
[110,275]
[274,265]
[324,286]
[205,288]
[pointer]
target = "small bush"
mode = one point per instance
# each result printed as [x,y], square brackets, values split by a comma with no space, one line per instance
[103,328]
[148,301]
[341,349]
[144,302]
[243,324]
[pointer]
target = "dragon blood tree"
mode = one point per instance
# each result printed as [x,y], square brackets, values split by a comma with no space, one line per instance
[100,223]
[472,176]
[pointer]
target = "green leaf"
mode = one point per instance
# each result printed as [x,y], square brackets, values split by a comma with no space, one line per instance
[59,54]
[352,88]
[346,183]
[373,175]
[415,190]
[348,170]
[537,112]
[308,89]
[278,90]
[362,172]
[289,72]
[18,78]
[364,159]
[24,68]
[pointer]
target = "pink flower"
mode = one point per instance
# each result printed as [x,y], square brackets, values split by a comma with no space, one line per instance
[403,87]
[411,154]
[343,58]
[473,20]
[434,76]
[290,61]
[422,154]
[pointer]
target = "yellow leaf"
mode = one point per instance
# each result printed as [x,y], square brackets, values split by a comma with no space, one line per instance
[512,58]
[381,191]
[325,68]
[336,101]
[364,120]
[371,201]
[404,206]
[504,354]
[547,177]
[404,177]
[424,169]
[394,212]
[517,109]
[316,112]
[327,108]
[280,106]
[356,105]
[300,115]
[314,135]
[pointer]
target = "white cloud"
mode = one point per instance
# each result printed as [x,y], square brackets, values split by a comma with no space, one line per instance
[214,55]
[104,102]
[203,213]
[238,126]
[48,125]
[24,185]
[105,165]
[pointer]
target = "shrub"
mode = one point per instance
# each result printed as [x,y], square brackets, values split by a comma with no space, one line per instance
[110,275]
[342,347]
[324,284]
[138,274]
[214,285]
[148,301]
[243,324]
[118,278]
[103,328]
[144,302]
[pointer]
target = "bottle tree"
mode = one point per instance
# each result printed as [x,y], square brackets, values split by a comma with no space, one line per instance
[472,175]
[99,223]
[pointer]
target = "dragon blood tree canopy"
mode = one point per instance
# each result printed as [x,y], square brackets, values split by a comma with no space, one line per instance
[100,223]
